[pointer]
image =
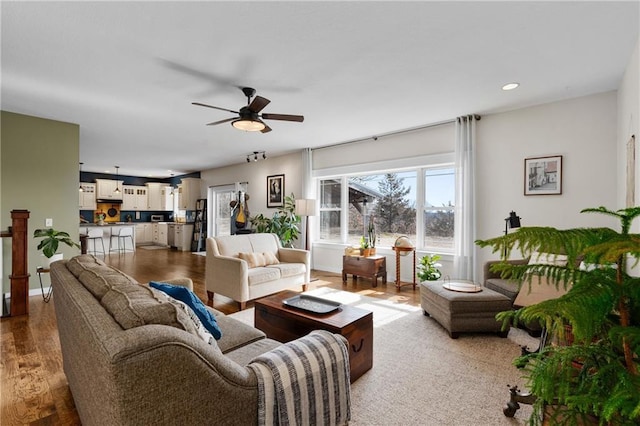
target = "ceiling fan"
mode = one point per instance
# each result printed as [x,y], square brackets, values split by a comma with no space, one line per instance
[249,117]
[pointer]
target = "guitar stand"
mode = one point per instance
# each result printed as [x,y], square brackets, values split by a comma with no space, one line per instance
[516,396]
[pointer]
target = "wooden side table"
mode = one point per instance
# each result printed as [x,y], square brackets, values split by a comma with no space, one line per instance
[399,251]
[370,267]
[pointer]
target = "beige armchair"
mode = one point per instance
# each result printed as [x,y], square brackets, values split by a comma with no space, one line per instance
[250,266]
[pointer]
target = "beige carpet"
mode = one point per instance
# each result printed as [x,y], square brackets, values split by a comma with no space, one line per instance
[422,377]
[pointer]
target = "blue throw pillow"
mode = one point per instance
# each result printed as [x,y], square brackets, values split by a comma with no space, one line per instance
[186,296]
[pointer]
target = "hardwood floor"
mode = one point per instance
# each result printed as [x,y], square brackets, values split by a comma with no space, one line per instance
[33,387]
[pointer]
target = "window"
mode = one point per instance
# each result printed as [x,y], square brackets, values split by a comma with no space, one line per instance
[439,195]
[396,201]
[330,210]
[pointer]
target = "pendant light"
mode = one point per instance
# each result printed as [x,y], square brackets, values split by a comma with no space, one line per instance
[80,189]
[117,190]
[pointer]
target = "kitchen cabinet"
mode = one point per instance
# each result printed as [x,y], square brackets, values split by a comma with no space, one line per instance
[105,189]
[179,236]
[134,197]
[188,193]
[144,233]
[156,196]
[160,234]
[87,196]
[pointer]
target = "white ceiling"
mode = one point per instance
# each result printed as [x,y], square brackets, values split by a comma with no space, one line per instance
[127,72]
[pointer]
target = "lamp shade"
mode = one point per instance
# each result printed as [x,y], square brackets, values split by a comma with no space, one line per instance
[306,207]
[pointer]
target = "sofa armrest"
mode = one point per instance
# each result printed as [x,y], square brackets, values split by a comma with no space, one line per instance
[290,255]
[228,276]
[181,281]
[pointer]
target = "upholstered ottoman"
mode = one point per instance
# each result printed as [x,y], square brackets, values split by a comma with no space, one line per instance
[460,311]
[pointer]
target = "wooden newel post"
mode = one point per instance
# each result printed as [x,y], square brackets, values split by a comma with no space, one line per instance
[19,272]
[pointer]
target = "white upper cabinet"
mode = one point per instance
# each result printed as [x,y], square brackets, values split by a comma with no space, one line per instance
[87,196]
[105,189]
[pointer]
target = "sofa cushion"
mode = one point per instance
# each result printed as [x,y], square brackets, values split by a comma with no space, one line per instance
[548,259]
[233,244]
[137,305]
[83,262]
[509,288]
[236,334]
[263,275]
[100,279]
[261,243]
[188,297]
[254,260]
[289,269]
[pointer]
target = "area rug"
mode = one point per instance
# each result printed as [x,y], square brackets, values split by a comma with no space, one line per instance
[421,376]
[200,253]
[153,247]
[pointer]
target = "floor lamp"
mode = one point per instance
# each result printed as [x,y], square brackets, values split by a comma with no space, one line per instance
[306,208]
[513,221]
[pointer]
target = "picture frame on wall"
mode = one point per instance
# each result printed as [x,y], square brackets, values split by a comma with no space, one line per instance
[275,191]
[543,175]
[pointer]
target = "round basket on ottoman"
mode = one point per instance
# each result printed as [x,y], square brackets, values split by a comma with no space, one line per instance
[467,308]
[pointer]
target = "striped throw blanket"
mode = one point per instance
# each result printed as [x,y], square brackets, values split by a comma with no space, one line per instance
[304,382]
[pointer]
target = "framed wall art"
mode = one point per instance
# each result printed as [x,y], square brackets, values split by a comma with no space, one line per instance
[275,191]
[543,175]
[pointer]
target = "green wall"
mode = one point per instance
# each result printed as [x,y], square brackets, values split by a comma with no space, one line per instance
[38,172]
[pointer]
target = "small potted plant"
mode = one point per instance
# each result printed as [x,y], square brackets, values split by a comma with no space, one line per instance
[50,241]
[428,268]
[371,231]
[365,250]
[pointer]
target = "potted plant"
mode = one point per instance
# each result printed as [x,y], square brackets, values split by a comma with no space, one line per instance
[51,239]
[365,250]
[284,222]
[428,268]
[594,375]
[371,233]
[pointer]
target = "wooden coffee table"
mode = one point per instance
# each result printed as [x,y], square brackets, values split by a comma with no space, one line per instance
[283,323]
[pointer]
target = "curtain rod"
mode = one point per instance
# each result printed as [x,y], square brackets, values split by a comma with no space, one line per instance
[397,132]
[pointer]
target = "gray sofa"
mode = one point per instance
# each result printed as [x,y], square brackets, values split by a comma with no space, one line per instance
[145,372]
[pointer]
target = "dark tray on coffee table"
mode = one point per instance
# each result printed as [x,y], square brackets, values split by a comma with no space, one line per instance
[311,304]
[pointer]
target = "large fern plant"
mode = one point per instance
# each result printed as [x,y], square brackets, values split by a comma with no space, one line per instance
[596,375]
[284,222]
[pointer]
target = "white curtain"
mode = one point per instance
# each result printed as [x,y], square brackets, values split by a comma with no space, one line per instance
[465,206]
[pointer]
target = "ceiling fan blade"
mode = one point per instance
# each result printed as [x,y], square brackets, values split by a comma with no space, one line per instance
[214,107]
[283,117]
[258,104]
[266,129]
[226,120]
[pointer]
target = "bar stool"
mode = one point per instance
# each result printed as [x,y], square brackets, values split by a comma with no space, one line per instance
[94,234]
[121,236]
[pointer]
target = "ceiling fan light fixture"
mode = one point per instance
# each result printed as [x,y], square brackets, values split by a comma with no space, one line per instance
[248,125]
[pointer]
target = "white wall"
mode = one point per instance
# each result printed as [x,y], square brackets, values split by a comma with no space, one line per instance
[582,130]
[629,124]
[255,173]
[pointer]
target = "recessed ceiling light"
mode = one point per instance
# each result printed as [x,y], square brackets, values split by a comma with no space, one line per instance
[510,86]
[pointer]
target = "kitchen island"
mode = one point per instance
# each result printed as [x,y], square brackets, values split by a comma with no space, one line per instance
[109,229]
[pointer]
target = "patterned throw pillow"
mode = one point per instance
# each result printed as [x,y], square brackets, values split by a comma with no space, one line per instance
[200,329]
[188,297]
[254,260]
[270,258]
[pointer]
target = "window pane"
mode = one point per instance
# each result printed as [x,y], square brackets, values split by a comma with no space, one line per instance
[330,193]
[439,208]
[389,199]
[330,225]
